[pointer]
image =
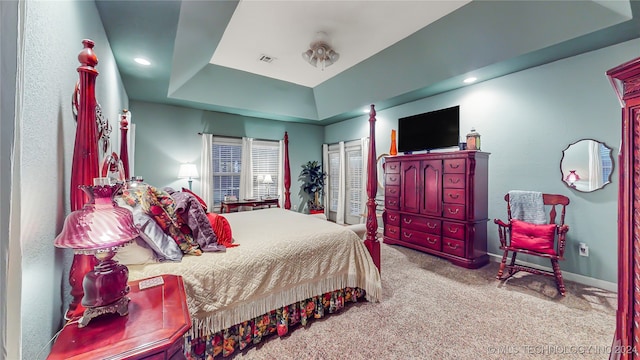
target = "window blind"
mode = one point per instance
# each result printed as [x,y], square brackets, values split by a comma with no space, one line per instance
[227,162]
[265,164]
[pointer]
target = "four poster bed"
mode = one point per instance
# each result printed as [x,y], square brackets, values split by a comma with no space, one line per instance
[263,271]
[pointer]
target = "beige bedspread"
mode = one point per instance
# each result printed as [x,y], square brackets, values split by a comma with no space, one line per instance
[283,257]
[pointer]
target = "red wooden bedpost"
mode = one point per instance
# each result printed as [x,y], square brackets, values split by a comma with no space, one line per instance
[371,241]
[287,173]
[85,165]
[124,153]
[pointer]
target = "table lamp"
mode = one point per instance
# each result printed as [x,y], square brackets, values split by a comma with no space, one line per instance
[268,180]
[99,229]
[572,178]
[188,171]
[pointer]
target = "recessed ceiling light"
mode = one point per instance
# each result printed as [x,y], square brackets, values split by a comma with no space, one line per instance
[469,80]
[142,61]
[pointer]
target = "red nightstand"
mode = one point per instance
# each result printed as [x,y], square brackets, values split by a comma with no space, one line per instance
[158,318]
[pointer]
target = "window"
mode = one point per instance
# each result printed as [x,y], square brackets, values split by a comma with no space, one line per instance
[334,176]
[227,167]
[607,164]
[227,162]
[353,187]
[354,190]
[265,158]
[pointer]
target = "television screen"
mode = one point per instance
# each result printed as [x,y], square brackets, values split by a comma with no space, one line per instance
[428,131]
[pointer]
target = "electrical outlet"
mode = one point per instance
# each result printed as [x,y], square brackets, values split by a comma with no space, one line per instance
[584,249]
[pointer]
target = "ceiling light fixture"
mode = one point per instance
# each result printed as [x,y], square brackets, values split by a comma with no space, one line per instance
[469,80]
[320,52]
[142,61]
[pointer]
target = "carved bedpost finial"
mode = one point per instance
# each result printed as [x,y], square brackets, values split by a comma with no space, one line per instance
[124,119]
[87,57]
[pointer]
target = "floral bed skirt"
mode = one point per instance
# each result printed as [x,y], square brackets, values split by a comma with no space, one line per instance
[240,336]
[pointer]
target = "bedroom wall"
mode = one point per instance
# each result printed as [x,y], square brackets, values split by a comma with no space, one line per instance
[53,34]
[167,136]
[526,120]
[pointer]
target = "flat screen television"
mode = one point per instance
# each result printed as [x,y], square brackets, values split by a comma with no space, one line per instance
[432,130]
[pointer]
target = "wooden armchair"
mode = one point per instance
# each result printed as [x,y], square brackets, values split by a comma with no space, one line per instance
[546,240]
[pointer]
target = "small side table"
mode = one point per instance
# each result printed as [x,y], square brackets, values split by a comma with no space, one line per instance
[227,206]
[154,328]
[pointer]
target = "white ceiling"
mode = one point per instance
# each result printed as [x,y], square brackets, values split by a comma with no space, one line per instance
[357,30]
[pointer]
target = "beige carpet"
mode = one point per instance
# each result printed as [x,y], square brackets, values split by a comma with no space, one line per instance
[434,310]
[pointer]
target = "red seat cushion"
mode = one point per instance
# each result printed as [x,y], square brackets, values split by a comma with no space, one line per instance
[533,237]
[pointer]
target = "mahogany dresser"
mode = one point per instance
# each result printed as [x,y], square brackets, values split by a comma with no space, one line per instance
[437,203]
[153,330]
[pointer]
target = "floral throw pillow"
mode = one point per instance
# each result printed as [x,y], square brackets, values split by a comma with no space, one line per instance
[161,207]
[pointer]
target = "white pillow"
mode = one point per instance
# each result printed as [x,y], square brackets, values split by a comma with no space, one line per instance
[135,253]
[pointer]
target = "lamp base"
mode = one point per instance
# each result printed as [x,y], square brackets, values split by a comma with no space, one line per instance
[121,307]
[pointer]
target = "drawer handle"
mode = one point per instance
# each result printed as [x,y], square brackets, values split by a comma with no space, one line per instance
[454,166]
[452,247]
[393,179]
[431,226]
[453,230]
[453,212]
[431,241]
[393,231]
[408,236]
[454,196]
[454,181]
[392,202]
[393,167]
[393,218]
[407,221]
[393,191]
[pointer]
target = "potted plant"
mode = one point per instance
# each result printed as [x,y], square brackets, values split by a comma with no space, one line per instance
[313,177]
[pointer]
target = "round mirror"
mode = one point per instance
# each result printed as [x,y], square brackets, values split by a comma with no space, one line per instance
[586,165]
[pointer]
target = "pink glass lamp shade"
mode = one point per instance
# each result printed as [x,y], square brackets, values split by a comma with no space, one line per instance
[572,178]
[100,228]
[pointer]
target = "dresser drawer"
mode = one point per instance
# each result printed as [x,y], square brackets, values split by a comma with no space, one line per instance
[421,223]
[453,211]
[453,246]
[392,203]
[453,196]
[392,218]
[453,230]
[423,239]
[392,167]
[453,181]
[392,231]
[391,190]
[454,166]
[391,179]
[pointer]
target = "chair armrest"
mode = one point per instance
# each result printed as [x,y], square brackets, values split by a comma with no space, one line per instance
[502,231]
[562,231]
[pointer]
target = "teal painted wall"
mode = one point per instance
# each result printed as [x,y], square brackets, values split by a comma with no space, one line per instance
[167,136]
[53,34]
[526,120]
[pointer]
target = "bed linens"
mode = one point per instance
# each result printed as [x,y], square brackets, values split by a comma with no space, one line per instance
[283,257]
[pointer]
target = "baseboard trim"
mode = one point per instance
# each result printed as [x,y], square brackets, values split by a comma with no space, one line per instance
[606,285]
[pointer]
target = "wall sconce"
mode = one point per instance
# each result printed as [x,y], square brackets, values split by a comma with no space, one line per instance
[99,229]
[572,178]
[188,171]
